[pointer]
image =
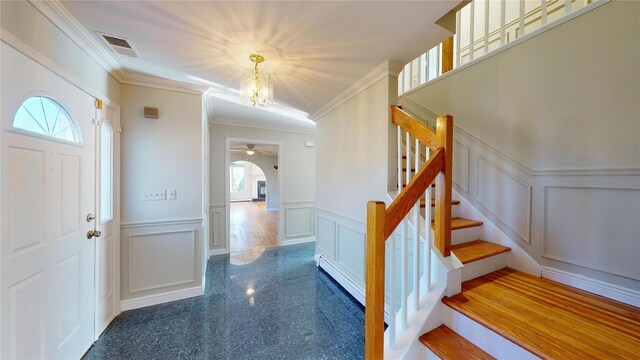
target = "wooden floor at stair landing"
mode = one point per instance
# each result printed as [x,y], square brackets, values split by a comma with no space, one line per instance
[252,227]
[551,320]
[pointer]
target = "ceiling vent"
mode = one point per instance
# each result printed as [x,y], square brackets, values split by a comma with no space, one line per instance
[119,45]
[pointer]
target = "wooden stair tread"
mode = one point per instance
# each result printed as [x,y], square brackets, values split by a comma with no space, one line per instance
[549,319]
[477,250]
[448,345]
[461,223]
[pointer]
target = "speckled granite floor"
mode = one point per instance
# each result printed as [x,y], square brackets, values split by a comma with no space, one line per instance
[269,304]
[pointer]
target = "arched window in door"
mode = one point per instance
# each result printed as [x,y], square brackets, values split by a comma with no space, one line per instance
[45,117]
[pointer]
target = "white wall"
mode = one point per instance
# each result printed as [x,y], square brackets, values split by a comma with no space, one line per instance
[22,20]
[265,163]
[353,167]
[549,148]
[298,172]
[161,240]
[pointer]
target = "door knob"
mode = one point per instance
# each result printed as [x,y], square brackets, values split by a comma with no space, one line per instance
[93,234]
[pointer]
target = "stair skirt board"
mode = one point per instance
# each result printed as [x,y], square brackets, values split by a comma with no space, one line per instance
[492,343]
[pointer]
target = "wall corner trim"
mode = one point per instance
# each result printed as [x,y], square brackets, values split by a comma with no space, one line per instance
[156,299]
[387,68]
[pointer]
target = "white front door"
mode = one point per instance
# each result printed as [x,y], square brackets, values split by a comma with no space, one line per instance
[47,187]
[107,247]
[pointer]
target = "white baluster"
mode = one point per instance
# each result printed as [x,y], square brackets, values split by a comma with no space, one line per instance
[503,14]
[427,234]
[567,7]
[438,71]
[543,11]
[472,16]
[458,26]
[392,291]
[407,151]
[416,238]
[403,274]
[522,32]
[404,269]
[486,26]
[399,159]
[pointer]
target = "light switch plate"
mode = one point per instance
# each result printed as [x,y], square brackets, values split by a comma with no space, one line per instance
[171,194]
[154,195]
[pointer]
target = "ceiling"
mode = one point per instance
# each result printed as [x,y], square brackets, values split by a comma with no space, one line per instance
[315,50]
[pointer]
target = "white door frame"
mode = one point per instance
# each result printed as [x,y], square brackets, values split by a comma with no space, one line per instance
[115,260]
[227,187]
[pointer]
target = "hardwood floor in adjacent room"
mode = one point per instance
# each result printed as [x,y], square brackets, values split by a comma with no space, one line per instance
[252,227]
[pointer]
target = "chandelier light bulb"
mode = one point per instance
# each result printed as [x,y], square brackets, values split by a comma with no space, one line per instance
[256,88]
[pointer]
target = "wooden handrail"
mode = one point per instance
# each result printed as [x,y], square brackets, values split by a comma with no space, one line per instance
[382,221]
[403,203]
[414,127]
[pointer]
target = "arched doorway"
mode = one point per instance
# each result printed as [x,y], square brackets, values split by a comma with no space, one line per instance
[253,221]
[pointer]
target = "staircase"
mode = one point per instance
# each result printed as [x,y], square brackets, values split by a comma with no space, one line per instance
[476,307]
[537,318]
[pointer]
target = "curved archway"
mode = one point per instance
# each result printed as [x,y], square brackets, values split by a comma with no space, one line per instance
[253,221]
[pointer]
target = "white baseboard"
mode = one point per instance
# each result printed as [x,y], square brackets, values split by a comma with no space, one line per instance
[351,286]
[161,298]
[275,208]
[615,292]
[302,240]
[218,252]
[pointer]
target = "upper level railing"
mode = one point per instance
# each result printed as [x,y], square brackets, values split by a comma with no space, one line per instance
[484,26]
[382,222]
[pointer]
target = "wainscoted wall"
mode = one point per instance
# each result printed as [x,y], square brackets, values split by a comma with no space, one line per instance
[175,247]
[216,215]
[578,221]
[554,163]
[341,242]
[299,224]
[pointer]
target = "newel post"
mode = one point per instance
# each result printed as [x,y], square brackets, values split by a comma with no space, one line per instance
[442,228]
[374,279]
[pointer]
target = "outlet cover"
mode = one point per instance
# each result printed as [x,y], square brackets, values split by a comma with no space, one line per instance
[171,194]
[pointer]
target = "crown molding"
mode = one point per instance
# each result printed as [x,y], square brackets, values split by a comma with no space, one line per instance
[140,79]
[387,68]
[62,18]
[291,129]
[85,40]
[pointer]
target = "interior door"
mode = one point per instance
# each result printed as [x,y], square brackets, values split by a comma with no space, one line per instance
[107,248]
[47,190]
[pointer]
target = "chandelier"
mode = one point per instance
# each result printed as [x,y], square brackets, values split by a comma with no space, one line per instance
[256,88]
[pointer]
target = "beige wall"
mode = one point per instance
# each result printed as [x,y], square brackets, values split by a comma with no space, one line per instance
[26,23]
[158,155]
[547,141]
[353,152]
[356,163]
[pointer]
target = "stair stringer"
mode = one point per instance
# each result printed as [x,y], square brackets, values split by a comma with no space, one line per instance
[517,258]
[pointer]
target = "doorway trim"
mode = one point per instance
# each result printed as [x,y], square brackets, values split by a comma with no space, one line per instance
[227,185]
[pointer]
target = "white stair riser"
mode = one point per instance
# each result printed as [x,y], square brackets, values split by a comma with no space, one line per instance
[481,267]
[431,355]
[465,235]
[487,340]
[455,212]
